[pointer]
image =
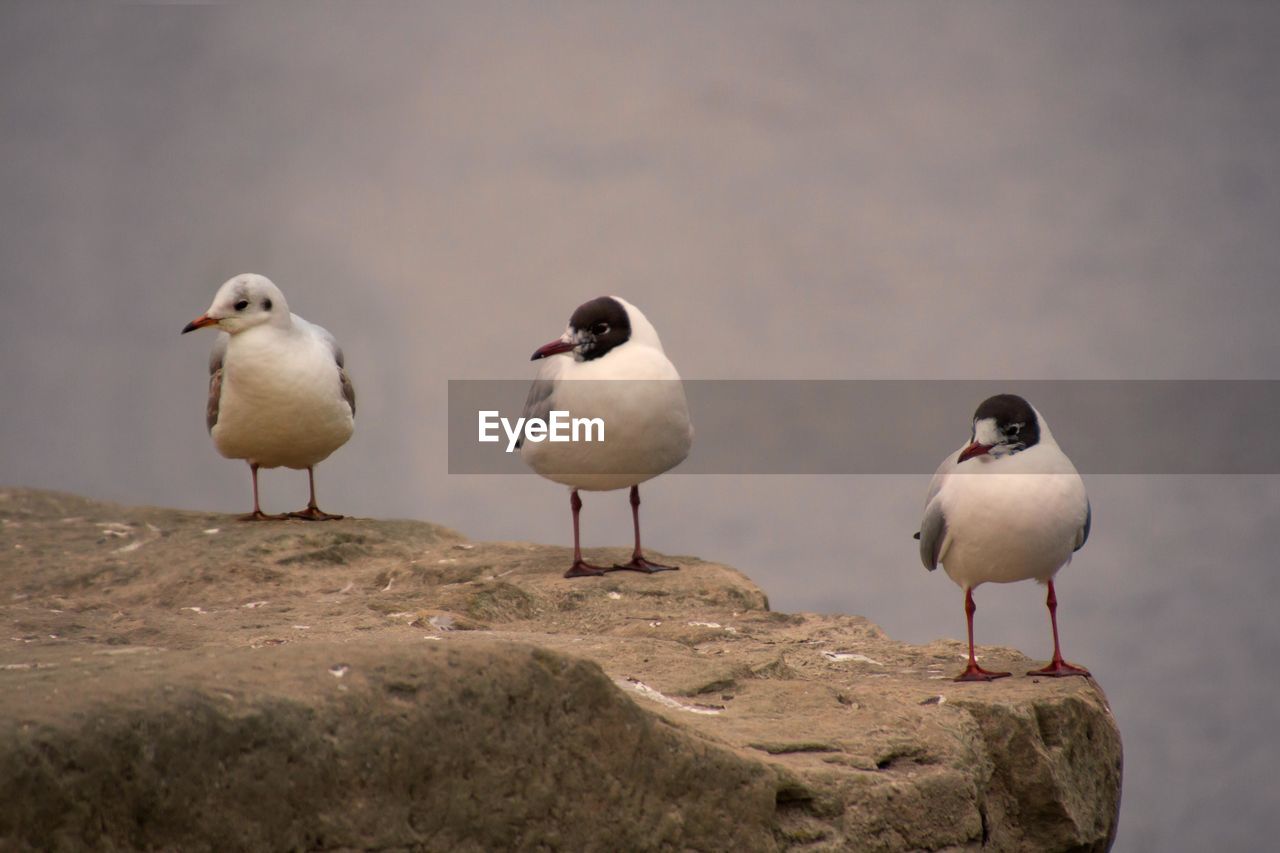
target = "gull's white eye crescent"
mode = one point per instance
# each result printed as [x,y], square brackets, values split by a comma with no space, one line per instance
[600,329]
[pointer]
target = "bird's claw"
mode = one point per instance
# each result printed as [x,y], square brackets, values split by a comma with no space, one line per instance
[1061,669]
[313,513]
[976,673]
[259,515]
[640,564]
[582,569]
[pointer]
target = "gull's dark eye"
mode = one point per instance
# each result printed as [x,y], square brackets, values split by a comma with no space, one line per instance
[242,304]
[266,305]
[600,329]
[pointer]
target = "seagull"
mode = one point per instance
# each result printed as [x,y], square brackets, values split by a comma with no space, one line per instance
[645,414]
[279,394]
[1007,506]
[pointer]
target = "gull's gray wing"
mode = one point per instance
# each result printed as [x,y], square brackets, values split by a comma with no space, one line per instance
[215,380]
[348,389]
[537,404]
[1083,536]
[933,532]
[933,528]
[944,468]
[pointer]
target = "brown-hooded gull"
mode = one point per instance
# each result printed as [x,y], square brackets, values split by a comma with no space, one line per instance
[1007,506]
[609,365]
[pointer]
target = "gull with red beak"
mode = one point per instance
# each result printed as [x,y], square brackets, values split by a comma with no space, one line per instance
[279,394]
[1008,506]
[610,365]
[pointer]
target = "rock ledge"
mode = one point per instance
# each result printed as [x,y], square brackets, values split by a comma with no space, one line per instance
[181,680]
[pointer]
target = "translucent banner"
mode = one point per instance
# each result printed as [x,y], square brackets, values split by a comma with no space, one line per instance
[882,426]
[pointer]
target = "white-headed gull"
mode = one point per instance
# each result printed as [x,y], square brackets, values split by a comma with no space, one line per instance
[1008,506]
[279,394]
[609,364]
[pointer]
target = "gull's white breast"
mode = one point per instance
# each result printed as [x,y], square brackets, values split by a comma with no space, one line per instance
[1011,519]
[281,401]
[637,392]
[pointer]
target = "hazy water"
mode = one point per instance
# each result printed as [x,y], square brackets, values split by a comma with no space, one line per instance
[828,191]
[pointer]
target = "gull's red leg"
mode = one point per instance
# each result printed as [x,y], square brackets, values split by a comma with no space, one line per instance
[974,672]
[638,561]
[580,568]
[313,512]
[257,514]
[1058,667]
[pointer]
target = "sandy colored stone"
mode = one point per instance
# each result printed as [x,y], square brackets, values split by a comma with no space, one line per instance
[182,680]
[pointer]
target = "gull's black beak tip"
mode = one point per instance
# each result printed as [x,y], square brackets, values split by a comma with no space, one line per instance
[199,323]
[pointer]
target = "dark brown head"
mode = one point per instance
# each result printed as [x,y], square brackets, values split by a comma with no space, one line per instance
[1002,425]
[595,328]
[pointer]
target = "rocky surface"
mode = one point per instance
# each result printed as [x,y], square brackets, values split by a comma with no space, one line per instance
[184,680]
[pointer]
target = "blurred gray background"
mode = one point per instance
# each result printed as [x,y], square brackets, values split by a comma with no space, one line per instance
[888,190]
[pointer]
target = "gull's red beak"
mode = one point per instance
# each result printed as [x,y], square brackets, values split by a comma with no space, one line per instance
[559,345]
[973,450]
[199,323]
